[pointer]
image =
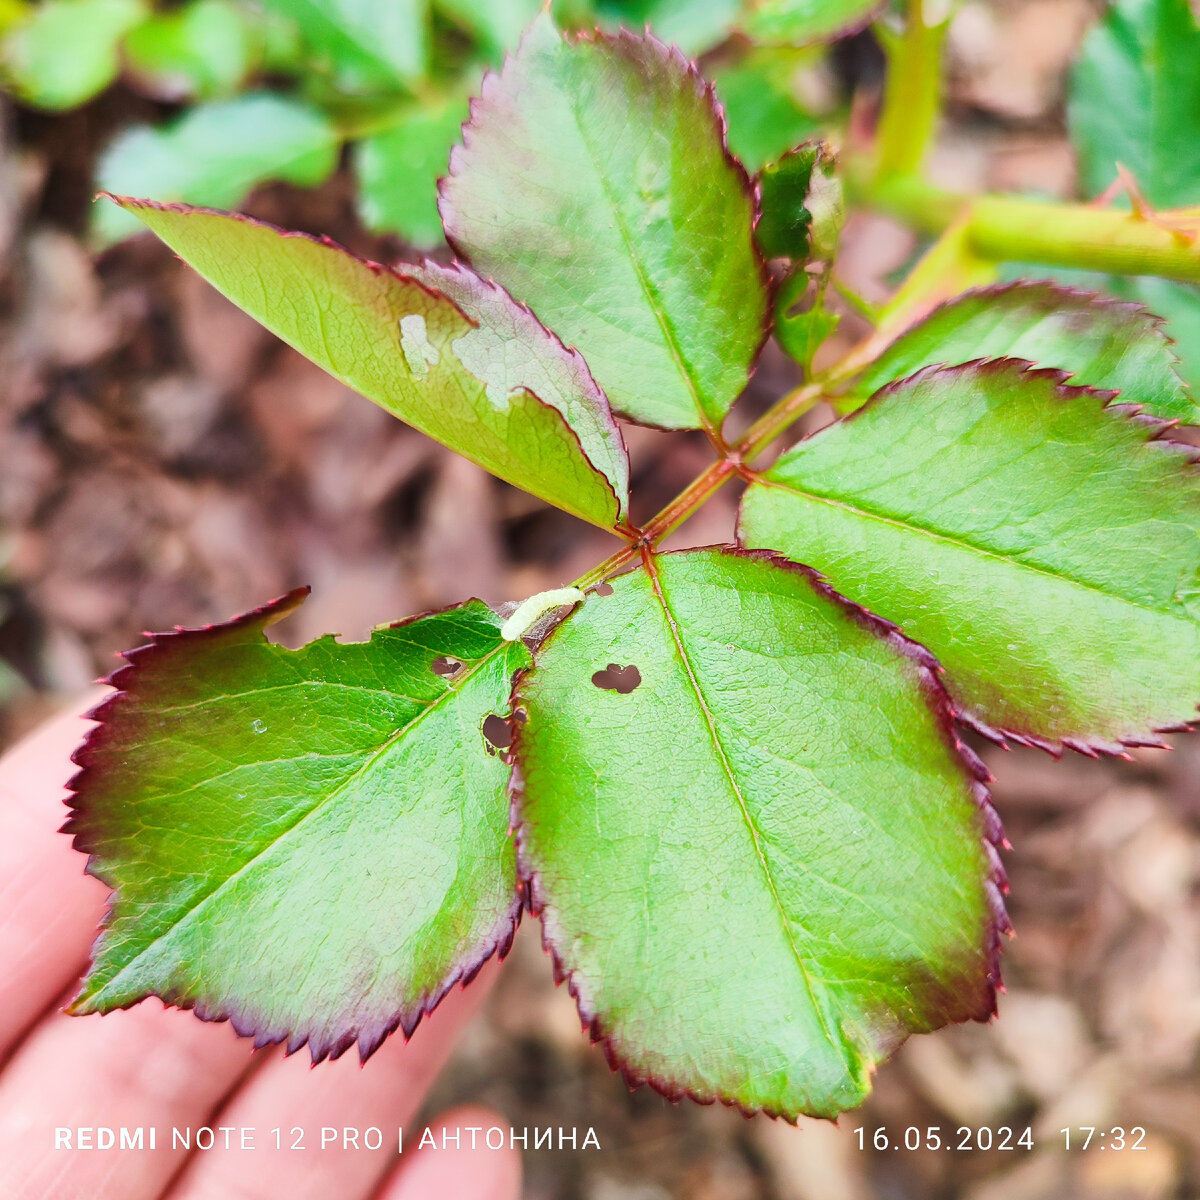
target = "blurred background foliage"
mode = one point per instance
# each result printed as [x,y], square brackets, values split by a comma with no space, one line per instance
[249,92]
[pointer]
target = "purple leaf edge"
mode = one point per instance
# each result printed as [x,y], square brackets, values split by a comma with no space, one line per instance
[1053,297]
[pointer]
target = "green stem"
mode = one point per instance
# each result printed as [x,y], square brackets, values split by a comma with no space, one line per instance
[912,94]
[1013,229]
[764,431]
[1007,228]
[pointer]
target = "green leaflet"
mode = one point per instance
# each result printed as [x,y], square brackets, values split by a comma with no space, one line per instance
[1100,342]
[784,185]
[803,208]
[692,25]
[312,843]
[593,183]
[761,92]
[375,43]
[801,21]
[67,50]
[1135,100]
[1045,550]
[215,154]
[497,24]
[398,170]
[443,350]
[763,866]
[205,48]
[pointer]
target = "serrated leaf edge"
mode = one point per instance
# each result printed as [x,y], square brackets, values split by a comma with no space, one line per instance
[991,833]
[405,1019]
[1155,325]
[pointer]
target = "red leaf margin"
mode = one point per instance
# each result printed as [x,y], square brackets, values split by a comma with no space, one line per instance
[1048,294]
[242,1021]
[991,836]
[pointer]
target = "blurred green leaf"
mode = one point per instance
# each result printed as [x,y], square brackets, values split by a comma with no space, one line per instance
[496,24]
[202,50]
[398,171]
[799,331]
[800,22]
[1135,100]
[760,93]
[692,25]
[215,154]
[12,13]
[786,220]
[67,50]
[375,43]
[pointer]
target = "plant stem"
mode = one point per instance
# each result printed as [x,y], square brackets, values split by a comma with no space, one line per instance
[1007,228]
[764,431]
[690,499]
[1013,229]
[912,96]
[786,410]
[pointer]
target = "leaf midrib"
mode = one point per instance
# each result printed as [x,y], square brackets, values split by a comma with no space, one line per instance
[963,544]
[649,291]
[735,788]
[200,902]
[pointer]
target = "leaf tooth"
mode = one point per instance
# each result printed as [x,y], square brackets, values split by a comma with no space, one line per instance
[1054,294]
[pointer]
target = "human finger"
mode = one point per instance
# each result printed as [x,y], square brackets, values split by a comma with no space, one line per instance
[148,1067]
[309,1122]
[49,909]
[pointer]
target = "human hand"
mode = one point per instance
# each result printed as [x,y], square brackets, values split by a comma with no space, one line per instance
[156,1066]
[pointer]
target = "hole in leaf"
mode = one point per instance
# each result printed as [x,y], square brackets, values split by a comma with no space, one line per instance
[520,716]
[497,732]
[618,679]
[602,589]
[448,667]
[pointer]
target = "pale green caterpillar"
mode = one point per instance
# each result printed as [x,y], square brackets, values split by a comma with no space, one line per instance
[530,611]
